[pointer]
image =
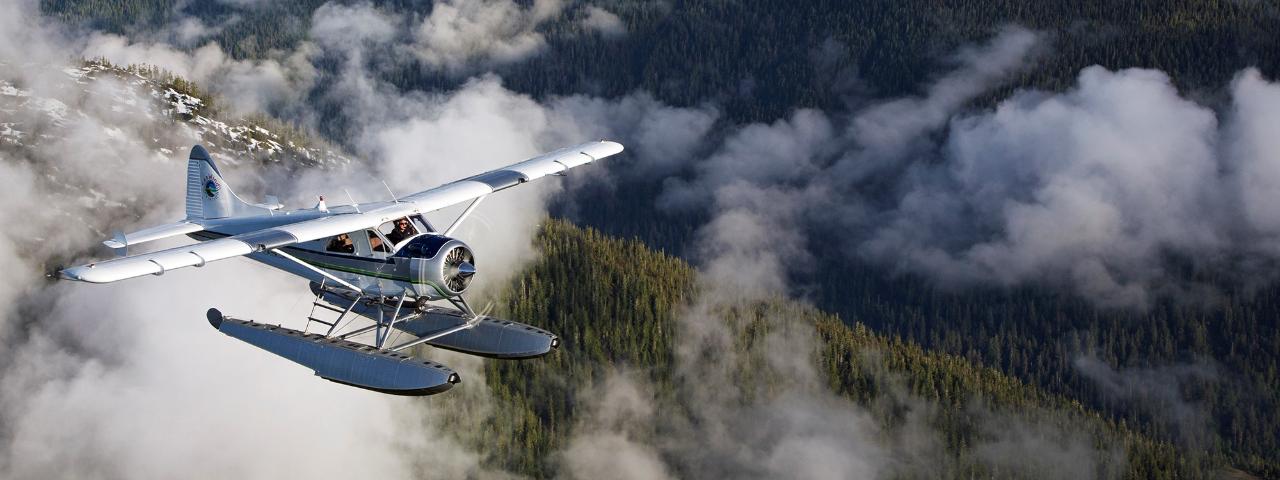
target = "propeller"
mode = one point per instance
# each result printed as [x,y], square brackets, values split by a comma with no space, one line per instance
[459,267]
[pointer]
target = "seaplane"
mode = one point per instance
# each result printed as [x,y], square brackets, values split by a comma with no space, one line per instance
[374,268]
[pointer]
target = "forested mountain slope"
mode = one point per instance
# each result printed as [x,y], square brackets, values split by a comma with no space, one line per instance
[626,312]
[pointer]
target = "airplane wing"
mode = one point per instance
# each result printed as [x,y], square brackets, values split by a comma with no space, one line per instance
[156,263]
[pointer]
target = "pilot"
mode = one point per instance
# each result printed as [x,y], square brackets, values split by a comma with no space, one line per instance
[403,230]
[341,243]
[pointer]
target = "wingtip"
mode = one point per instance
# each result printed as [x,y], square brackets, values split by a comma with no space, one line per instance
[215,318]
[73,273]
[87,274]
[604,148]
[57,274]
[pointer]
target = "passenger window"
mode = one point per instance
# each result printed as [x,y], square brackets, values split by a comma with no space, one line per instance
[341,243]
[376,244]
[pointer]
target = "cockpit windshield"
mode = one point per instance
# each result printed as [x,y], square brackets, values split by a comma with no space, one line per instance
[423,246]
[403,228]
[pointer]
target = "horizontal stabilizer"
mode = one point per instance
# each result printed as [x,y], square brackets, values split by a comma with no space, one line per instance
[490,337]
[341,361]
[154,233]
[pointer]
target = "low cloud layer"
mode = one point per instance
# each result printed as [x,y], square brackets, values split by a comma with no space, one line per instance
[1095,189]
[1098,186]
[242,86]
[765,411]
[1163,392]
[458,37]
[127,380]
[491,32]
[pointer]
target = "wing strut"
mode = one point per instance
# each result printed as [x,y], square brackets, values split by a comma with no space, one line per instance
[381,337]
[421,340]
[463,216]
[472,320]
[317,270]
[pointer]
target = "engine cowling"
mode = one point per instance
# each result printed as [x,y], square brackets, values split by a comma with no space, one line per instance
[441,266]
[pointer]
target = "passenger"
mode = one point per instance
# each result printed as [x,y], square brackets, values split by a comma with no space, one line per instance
[403,230]
[341,244]
[375,242]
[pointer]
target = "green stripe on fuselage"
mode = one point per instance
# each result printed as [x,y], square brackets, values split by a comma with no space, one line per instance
[358,271]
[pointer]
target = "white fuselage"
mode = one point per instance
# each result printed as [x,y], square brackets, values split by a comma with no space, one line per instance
[375,272]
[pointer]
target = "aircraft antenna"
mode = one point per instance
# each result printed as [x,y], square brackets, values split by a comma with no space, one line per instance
[353,200]
[393,194]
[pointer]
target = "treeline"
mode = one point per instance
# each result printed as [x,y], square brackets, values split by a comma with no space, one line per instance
[761,59]
[165,80]
[615,303]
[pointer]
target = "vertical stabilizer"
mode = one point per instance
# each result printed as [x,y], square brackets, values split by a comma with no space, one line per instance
[208,194]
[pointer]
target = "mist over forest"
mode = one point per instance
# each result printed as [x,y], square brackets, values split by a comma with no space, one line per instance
[872,240]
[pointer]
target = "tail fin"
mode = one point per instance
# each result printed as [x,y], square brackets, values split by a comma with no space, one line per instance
[208,195]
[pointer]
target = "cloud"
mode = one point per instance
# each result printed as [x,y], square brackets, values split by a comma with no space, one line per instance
[80,355]
[191,30]
[603,21]
[774,156]
[1097,187]
[752,404]
[28,38]
[762,411]
[1040,446]
[344,27]
[1252,134]
[242,86]
[244,3]
[885,131]
[423,139]
[1094,189]
[478,128]
[615,439]
[660,138]
[188,409]
[459,33]
[1095,184]
[1159,391]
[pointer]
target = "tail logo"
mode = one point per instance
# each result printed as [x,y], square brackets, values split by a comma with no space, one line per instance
[211,186]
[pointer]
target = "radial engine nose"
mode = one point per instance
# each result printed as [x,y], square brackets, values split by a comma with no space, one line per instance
[466,269]
[443,266]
